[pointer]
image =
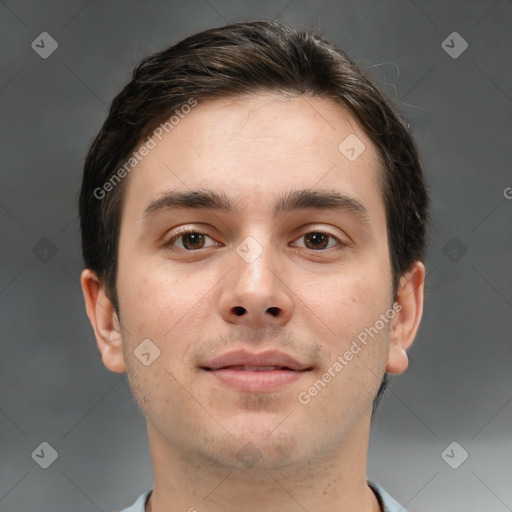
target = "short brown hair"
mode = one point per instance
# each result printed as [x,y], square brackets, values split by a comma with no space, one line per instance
[239,59]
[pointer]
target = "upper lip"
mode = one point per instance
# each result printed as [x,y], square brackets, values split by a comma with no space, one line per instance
[243,357]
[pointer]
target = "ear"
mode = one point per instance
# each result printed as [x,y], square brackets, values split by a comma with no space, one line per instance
[405,324]
[104,321]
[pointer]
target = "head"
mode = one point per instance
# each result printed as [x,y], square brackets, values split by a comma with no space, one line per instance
[254,130]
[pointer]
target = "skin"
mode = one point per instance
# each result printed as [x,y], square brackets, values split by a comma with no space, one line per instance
[310,456]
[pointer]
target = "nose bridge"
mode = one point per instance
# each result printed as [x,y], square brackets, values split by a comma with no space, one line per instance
[254,261]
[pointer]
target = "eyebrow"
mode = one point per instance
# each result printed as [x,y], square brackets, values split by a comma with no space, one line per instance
[290,201]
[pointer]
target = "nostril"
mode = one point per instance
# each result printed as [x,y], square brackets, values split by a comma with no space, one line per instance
[273,311]
[239,310]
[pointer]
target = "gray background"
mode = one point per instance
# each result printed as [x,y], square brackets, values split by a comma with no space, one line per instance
[458,387]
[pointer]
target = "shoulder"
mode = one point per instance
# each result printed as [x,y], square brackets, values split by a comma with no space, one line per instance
[140,503]
[388,503]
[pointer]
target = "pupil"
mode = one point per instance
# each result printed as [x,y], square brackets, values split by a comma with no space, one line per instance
[316,238]
[195,238]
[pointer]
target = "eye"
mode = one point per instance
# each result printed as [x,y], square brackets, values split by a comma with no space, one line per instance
[191,240]
[318,240]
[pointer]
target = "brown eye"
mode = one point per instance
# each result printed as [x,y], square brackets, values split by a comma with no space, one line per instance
[193,240]
[318,240]
[190,240]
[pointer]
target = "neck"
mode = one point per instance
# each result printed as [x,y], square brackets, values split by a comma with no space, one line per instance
[333,481]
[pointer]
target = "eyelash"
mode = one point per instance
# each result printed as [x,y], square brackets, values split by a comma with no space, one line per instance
[177,236]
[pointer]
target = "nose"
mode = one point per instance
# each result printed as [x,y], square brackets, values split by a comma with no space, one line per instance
[256,294]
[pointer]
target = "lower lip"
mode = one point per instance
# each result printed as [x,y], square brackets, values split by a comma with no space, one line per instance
[257,382]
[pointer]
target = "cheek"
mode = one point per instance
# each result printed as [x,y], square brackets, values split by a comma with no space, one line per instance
[165,304]
[158,392]
[363,339]
[347,302]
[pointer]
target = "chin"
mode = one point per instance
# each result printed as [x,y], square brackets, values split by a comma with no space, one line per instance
[263,442]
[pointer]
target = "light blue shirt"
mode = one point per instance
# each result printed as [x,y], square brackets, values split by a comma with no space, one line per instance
[388,504]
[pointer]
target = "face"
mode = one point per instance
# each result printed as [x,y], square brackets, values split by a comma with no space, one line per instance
[256,308]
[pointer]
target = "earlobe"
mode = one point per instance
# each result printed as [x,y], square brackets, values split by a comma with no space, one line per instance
[406,322]
[104,321]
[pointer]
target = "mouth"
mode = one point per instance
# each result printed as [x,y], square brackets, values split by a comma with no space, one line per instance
[257,373]
[248,368]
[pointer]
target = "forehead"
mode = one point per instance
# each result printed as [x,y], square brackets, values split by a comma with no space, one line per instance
[255,146]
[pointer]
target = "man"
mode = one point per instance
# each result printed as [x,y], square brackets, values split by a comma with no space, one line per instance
[254,219]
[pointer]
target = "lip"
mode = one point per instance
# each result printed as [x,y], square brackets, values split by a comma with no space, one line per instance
[245,358]
[229,369]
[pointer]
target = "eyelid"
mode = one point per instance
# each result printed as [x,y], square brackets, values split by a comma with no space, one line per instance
[179,232]
[340,242]
[321,228]
[304,230]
